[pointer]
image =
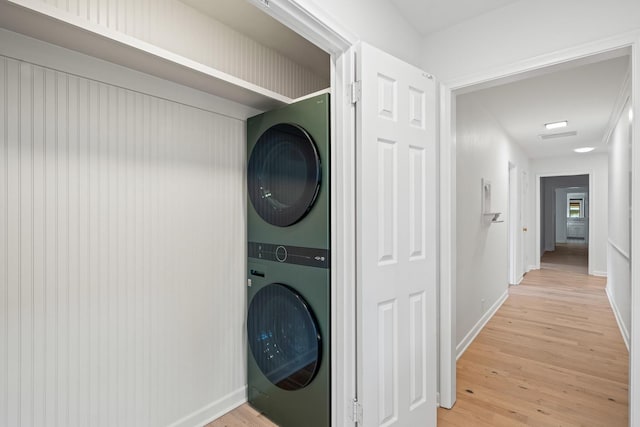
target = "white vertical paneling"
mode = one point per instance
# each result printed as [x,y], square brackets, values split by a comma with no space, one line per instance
[122,254]
[388,359]
[417,226]
[4,246]
[387,201]
[14,221]
[26,244]
[84,282]
[174,26]
[41,102]
[73,266]
[417,350]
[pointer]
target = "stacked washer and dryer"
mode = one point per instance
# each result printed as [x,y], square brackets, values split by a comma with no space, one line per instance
[288,298]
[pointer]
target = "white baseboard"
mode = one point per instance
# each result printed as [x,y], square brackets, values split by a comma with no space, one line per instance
[213,410]
[599,273]
[533,267]
[473,333]
[616,313]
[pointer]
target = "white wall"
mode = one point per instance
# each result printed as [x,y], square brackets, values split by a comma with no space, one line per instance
[619,280]
[376,22]
[178,28]
[483,151]
[597,166]
[118,306]
[523,30]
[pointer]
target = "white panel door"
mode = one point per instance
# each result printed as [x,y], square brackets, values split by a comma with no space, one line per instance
[396,242]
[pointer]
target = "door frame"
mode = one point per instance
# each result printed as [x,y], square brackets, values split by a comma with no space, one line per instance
[318,28]
[514,222]
[538,205]
[448,90]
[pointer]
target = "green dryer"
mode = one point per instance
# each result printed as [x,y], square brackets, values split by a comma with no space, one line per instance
[289,293]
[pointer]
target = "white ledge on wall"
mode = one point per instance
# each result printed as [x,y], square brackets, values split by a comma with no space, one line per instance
[47,23]
[494,216]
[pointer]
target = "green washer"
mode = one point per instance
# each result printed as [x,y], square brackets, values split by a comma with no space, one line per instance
[289,293]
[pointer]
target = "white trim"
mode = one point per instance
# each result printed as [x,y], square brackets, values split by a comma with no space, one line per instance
[616,312]
[50,56]
[621,102]
[634,359]
[477,328]
[540,62]
[213,410]
[447,239]
[448,210]
[311,23]
[343,300]
[513,221]
[599,273]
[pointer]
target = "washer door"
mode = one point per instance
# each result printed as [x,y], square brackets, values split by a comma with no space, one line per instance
[284,337]
[284,174]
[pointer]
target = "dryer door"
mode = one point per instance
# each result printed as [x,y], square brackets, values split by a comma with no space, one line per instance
[284,174]
[284,337]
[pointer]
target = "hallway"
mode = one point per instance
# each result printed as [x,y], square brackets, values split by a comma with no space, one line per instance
[571,257]
[552,355]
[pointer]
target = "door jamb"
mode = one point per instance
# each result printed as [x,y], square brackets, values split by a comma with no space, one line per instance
[314,25]
[448,207]
[513,218]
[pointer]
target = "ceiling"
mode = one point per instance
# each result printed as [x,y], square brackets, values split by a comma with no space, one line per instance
[429,16]
[249,20]
[583,94]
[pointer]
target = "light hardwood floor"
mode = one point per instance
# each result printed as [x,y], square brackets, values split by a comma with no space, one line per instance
[572,256]
[245,415]
[551,356]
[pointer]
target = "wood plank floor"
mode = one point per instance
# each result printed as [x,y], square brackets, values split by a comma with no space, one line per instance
[243,416]
[572,256]
[551,356]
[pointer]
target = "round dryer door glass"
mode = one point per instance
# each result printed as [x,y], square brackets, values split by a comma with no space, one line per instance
[284,174]
[283,336]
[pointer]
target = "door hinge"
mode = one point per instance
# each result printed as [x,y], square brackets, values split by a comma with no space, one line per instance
[356,411]
[356,91]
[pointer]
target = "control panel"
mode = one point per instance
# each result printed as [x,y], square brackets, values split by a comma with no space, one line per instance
[311,257]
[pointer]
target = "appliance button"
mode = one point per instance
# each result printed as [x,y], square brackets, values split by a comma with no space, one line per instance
[281,253]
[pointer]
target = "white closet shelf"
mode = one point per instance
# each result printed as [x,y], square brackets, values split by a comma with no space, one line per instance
[47,23]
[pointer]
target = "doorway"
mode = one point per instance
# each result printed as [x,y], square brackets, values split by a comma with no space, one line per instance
[564,223]
[449,157]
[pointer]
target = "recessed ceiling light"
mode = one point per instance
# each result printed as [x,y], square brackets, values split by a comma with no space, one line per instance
[556,125]
[583,149]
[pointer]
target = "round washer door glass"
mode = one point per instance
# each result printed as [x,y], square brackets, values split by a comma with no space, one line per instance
[284,174]
[284,337]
